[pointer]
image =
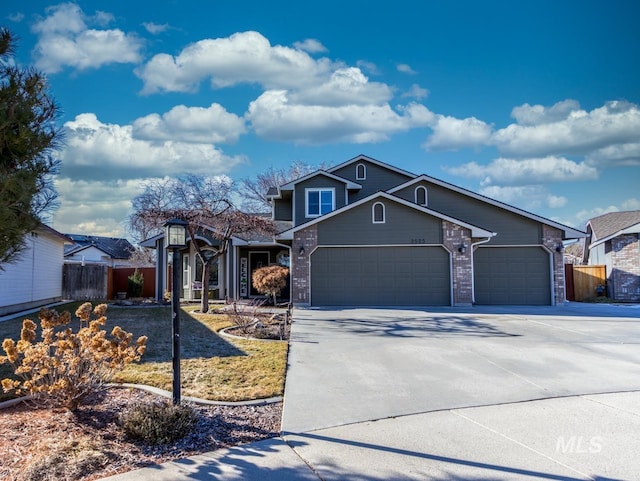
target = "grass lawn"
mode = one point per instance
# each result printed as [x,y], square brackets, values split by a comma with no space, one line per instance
[213,367]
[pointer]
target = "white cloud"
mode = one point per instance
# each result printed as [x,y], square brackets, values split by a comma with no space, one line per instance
[345,86]
[563,129]
[154,28]
[191,124]
[245,57]
[404,68]
[615,155]
[528,171]
[450,133]
[95,150]
[416,92]
[369,67]
[273,116]
[310,45]
[529,197]
[538,114]
[94,207]
[64,39]
[16,17]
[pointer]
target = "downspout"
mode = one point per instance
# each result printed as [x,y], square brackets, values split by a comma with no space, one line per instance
[473,281]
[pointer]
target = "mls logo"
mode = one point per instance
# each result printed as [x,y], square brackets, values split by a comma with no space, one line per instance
[579,445]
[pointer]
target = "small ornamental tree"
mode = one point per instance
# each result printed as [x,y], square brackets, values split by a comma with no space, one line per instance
[270,280]
[66,367]
[136,284]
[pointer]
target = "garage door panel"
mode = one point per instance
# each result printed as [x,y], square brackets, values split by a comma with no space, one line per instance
[380,276]
[512,275]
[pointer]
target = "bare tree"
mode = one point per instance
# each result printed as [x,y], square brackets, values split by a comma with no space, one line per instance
[204,203]
[254,190]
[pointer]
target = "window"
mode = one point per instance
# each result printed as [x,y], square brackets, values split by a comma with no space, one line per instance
[185,271]
[213,270]
[378,213]
[320,201]
[421,195]
[361,172]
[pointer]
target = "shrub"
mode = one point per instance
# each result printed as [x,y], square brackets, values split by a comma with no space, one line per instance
[159,422]
[270,280]
[136,283]
[244,316]
[66,367]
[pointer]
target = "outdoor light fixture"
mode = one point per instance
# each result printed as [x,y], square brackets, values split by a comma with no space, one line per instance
[560,248]
[301,252]
[176,233]
[176,239]
[463,248]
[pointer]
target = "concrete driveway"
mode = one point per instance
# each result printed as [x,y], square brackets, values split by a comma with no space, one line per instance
[443,393]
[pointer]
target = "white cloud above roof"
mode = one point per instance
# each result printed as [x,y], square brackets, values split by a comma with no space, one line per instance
[273,116]
[96,150]
[310,45]
[450,133]
[504,171]
[65,40]
[244,57]
[191,124]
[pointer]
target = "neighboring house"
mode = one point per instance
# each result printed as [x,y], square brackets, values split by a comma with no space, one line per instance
[613,240]
[35,278]
[368,233]
[89,249]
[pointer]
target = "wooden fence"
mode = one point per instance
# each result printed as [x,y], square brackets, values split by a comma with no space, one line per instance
[582,282]
[93,282]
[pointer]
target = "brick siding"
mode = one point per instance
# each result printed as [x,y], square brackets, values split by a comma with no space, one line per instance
[552,239]
[453,236]
[626,267]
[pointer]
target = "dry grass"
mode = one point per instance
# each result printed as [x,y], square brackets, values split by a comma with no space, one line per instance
[212,367]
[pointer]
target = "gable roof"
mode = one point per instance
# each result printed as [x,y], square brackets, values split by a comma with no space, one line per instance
[613,224]
[51,231]
[275,193]
[116,248]
[475,230]
[361,157]
[569,232]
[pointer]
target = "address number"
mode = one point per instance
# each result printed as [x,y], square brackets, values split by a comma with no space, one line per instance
[418,241]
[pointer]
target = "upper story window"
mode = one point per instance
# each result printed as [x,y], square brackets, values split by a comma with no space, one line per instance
[361,172]
[378,213]
[421,195]
[320,201]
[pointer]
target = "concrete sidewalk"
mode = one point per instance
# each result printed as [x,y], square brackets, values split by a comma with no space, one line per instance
[575,438]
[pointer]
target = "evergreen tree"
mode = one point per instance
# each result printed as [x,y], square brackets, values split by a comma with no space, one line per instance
[28,136]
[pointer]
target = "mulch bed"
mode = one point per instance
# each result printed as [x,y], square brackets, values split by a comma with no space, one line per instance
[48,444]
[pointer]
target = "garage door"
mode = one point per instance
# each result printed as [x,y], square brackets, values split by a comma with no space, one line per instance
[380,276]
[512,276]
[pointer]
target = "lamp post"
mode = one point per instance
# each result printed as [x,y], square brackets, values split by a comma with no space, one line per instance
[176,238]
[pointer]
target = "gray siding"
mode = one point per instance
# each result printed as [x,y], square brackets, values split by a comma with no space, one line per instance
[282,209]
[512,229]
[378,178]
[403,225]
[318,181]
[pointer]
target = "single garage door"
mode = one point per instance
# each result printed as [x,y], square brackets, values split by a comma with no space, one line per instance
[380,276]
[512,276]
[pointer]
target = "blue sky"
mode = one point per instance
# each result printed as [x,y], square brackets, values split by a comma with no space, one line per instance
[533,103]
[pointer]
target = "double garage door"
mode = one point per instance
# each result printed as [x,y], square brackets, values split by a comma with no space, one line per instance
[380,276]
[420,276]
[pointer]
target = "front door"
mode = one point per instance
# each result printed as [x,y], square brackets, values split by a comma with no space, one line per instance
[256,261]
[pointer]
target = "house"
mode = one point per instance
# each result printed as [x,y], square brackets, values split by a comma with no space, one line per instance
[613,240]
[367,233]
[35,278]
[90,249]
